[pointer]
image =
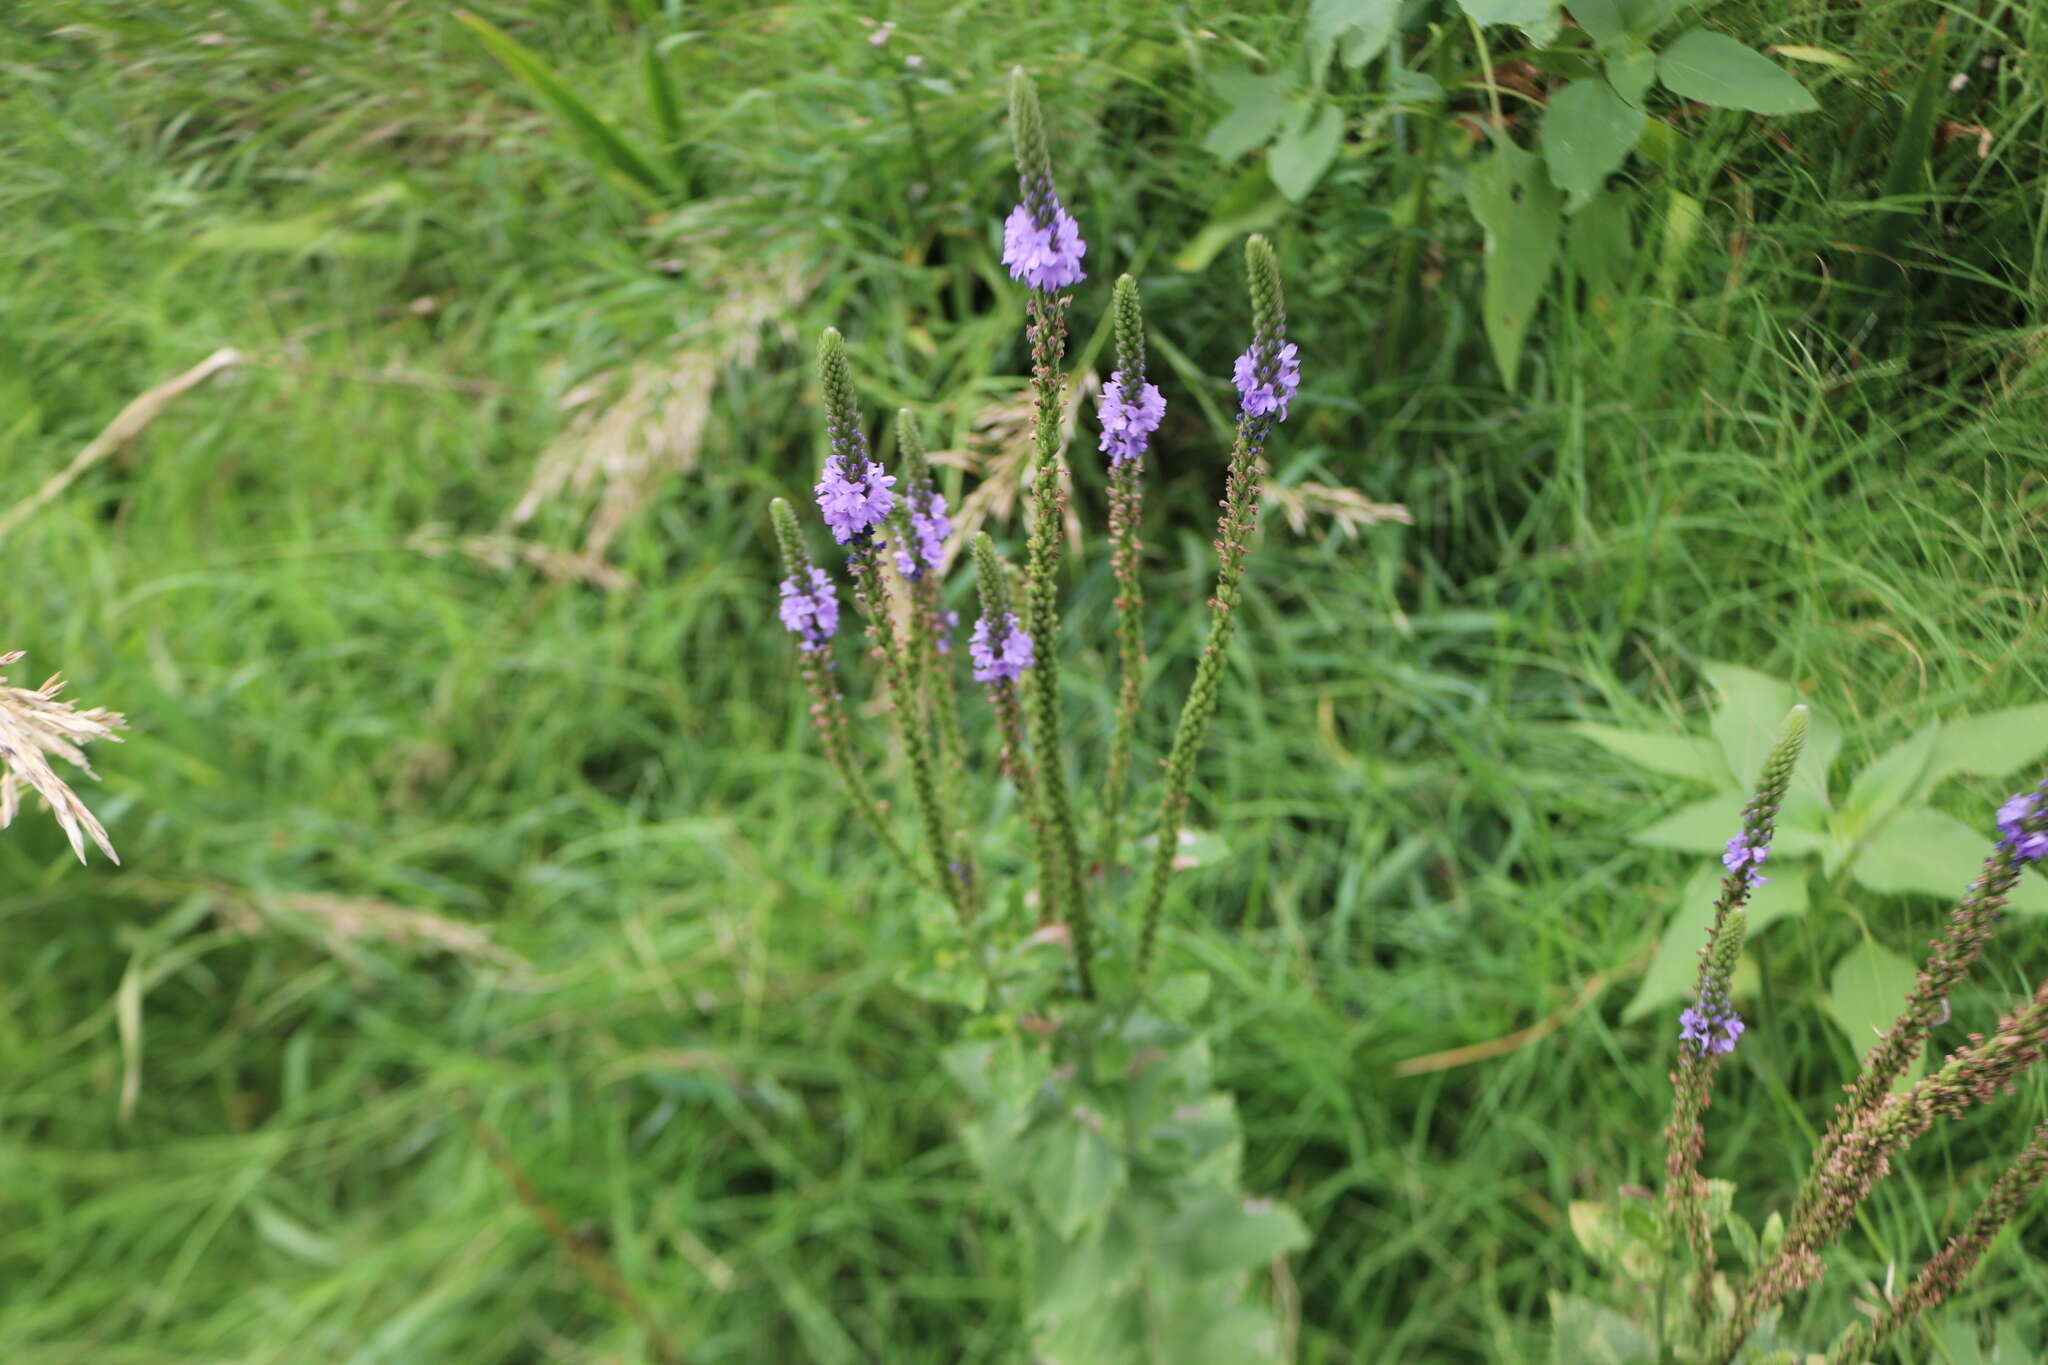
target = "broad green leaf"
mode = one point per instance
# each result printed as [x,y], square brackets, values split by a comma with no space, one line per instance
[1866,993]
[1887,784]
[1298,159]
[1515,203]
[1750,714]
[1259,105]
[1602,19]
[1703,826]
[1586,1333]
[1925,851]
[1249,204]
[1990,745]
[1600,249]
[1076,1175]
[1673,755]
[1674,971]
[1630,73]
[1715,69]
[1537,18]
[1363,26]
[1209,1325]
[1621,1236]
[1586,134]
[1225,1231]
[601,142]
[1076,1274]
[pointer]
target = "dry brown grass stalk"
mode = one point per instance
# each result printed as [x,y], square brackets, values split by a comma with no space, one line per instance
[638,425]
[35,726]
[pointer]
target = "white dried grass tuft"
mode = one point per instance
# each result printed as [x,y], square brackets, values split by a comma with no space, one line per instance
[1347,509]
[641,424]
[34,728]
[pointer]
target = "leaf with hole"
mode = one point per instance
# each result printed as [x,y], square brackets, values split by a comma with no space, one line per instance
[1586,134]
[1521,212]
[1715,69]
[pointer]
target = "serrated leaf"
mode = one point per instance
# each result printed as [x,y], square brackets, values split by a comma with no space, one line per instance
[1364,27]
[1259,106]
[1673,755]
[1889,783]
[1715,69]
[1537,18]
[1674,971]
[1079,1274]
[1600,249]
[1515,203]
[1586,134]
[1866,993]
[1703,826]
[1076,1175]
[1298,159]
[1630,73]
[1751,711]
[1601,19]
[1990,745]
[1225,1231]
[1924,851]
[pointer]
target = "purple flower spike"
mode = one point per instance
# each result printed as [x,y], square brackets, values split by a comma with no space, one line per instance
[853,506]
[1128,422]
[1711,1026]
[1262,395]
[813,614]
[2026,847]
[1002,654]
[1045,255]
[1744,856]
[949,621]
[929,527]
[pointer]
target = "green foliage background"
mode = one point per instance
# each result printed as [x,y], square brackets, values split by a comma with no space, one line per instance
[231,1131]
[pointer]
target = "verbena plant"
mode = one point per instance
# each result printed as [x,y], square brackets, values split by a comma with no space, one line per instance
[1670,1298]
[1880,834]
[1094,1114]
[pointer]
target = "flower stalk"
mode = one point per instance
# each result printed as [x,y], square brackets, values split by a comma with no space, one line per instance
[1267,377]
[1131,410]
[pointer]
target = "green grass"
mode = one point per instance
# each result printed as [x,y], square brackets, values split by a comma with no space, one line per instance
[703,1064]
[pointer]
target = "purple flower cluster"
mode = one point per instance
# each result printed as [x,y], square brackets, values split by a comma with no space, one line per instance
[1002,654]
[854,505]
[1262,395]
[929,527]
[2026,847]
[813,613]
[1127,422]
[1711,1026]
[1743,856]
[1045,255]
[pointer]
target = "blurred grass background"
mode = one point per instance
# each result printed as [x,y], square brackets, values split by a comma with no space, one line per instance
[435,817]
